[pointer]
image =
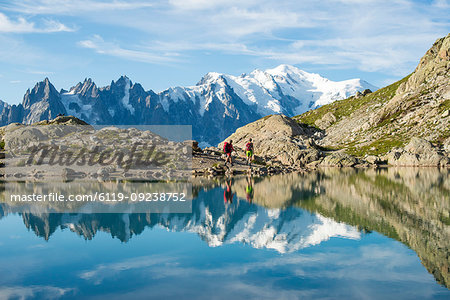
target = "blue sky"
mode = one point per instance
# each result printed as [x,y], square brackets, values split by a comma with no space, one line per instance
[166,43]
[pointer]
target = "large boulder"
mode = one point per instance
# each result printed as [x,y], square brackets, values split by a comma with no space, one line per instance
[418,152]
[419,146]
[277,137]
[193,144]
[326,121]
[339,159]
[446,145]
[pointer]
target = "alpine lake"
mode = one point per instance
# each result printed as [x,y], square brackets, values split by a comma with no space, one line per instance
[327,234]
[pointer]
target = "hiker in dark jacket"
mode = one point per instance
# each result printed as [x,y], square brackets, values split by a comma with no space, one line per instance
[227,149]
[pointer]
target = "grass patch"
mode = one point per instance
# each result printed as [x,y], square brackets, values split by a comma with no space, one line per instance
[307,126]
[378,147]
[444,219]
[444,106]
[21,163]
[217,165]
[442,137]
[258,162]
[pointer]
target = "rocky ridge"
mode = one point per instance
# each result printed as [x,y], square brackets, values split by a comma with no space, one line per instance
[396,123]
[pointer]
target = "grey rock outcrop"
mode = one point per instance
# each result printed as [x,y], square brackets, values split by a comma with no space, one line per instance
[339,159]
[376,123]
[279,138]
[418,152]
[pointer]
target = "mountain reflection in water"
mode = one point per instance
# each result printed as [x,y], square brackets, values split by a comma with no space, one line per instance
[406,204]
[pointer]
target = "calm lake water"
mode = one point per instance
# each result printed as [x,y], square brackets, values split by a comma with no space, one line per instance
[335,234]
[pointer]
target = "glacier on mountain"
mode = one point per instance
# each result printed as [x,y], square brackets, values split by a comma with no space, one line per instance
[215,107]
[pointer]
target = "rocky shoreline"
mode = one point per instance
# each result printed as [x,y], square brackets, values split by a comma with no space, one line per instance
[282,146]
[418,153]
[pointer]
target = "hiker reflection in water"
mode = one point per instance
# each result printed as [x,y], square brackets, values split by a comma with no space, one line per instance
[249,189]
[228,193]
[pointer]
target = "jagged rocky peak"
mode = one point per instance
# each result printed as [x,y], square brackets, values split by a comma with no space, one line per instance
[86,88]
[3,104]
[439,52]
[42,91]
[42,87]
[138,87]
[119,86]
[432,70]
[216,106]
[123,80]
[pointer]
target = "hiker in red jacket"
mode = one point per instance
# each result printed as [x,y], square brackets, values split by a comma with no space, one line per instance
[227,149]
[228,192]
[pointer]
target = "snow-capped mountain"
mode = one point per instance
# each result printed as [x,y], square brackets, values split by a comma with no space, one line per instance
[285,89]
[215,107]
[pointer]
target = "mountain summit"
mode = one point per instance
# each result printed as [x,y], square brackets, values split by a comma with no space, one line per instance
[216,106]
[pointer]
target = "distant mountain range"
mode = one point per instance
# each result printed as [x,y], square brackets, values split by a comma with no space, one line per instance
[215,107]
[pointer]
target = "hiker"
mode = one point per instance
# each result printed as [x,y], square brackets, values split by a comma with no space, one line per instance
[249,152]
[249,189]
[227,149]
[228,193]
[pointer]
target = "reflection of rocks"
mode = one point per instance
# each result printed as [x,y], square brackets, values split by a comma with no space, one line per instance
[285,230]
[279,191]
[410,205]
[67,174]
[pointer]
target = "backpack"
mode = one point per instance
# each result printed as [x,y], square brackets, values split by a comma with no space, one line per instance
[249,147]
[226,147]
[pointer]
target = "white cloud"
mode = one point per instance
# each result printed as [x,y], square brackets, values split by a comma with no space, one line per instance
[372,36]
[442,3]
[102,271]
[21,25]
[26,292]
[364,270]
[72,7]
[201,4]
[101,46]
[36,72]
